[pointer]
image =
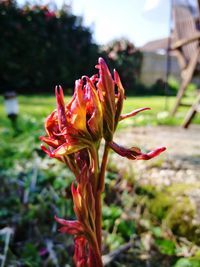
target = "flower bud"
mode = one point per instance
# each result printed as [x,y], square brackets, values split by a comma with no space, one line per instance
[106,91]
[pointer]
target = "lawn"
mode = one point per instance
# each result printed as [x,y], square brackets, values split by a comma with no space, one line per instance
[40,106]
[35,187]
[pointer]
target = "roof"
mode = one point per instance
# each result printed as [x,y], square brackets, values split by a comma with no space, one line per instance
[155,45]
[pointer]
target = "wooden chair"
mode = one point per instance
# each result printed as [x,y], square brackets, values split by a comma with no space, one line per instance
[185,45]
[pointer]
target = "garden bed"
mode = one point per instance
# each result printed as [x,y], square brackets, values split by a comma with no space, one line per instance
[163,196]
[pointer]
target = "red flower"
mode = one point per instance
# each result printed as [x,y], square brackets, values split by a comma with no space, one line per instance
[74,132]
[75,126]
[93,112]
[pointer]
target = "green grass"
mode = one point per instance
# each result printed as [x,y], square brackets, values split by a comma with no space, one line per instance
[40,106]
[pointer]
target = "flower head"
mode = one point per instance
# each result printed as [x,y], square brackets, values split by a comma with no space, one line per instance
[77,125]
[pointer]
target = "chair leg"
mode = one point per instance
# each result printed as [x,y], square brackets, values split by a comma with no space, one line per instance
[191,113]
[186,78]
[179,96]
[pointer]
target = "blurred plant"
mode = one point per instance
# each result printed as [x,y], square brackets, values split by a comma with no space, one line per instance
[74,134]
[33,37]
[127,59]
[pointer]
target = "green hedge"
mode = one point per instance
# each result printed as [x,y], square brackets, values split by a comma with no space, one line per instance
[41,48]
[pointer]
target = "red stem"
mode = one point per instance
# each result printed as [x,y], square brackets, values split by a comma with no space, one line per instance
[100,188]
[95,259]
[103,168]
[98,220]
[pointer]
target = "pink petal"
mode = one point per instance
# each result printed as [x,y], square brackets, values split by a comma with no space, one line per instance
[152,154]
[47,151]
[135,153]
[50,141]
[70,227]
[62,121]
[120,97]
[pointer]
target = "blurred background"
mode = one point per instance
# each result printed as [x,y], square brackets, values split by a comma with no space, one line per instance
[151,210]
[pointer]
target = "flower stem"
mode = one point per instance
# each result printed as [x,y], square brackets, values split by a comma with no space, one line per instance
[100,188]
[95,257]
[103,169]
[98,219]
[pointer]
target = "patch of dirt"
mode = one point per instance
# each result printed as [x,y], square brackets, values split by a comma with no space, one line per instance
[179,142]
[179,163]
[177,168]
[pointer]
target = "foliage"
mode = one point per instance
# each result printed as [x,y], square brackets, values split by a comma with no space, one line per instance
[123,56]
[191,262]
[176,211]
[41,47]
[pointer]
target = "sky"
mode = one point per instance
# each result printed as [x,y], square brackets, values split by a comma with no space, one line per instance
[135,20]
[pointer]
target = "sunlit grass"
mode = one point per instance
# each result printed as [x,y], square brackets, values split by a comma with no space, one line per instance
[40,106]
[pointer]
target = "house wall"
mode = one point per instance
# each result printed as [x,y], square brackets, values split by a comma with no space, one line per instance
[154,67]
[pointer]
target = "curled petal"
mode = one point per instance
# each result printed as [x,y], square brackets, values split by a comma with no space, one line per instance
[60,107]
[93,109]
[50,153]
[118,80]
[120,97]
[71,146]
[151,154]
[51,124]
[80,208]
[47,151]
[132,113]
[106,92]
[135,153]
[77,108]
[70,227]
[106,84]
[50,141]
[77,197]
[94,78]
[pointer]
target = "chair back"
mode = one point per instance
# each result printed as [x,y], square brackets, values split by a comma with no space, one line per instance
[185,28]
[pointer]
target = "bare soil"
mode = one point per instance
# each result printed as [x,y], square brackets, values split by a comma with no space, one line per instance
[178,168]
[179,163]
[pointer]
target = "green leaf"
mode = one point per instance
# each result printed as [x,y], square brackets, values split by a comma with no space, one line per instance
[166,246]
[112,212]
[114,241]
[184,262]
[126,228]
